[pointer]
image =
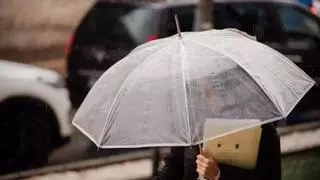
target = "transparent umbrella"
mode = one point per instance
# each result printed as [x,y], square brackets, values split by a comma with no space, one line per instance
[165,91]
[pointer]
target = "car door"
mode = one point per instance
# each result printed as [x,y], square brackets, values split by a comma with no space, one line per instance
[107,33]
[110,31]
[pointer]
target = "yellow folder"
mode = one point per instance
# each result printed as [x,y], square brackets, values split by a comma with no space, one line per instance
[238,149]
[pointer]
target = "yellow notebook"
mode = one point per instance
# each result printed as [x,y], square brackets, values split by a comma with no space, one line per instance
[238,149]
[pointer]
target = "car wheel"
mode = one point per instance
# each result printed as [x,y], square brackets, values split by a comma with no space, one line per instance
[26,140]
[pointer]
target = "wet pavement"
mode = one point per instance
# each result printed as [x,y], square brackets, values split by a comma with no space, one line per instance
[141,169]
[81,148]
[305,144]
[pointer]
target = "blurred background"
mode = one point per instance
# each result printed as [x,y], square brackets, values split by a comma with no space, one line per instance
[38,30]
[53,51]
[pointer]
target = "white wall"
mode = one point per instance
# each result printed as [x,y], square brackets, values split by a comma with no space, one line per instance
[37,24]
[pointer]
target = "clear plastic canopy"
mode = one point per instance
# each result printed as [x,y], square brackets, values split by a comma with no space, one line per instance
[165,91]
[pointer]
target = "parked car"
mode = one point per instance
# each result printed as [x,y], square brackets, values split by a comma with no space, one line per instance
[110,30]
[34,115]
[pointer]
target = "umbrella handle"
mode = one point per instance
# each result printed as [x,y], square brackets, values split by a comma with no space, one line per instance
[200,149]
[177,24]
[201,152]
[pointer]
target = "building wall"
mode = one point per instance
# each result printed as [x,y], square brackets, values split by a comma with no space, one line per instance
[38,24]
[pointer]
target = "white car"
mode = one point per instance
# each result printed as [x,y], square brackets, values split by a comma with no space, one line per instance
[34,115]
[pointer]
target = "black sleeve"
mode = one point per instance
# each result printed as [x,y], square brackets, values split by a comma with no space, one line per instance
[174,165]
[269,160]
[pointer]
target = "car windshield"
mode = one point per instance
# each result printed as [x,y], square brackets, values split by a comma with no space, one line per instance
[295,19]
[118,22]
[248,17]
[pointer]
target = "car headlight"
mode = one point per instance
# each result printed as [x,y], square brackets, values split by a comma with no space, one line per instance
[56,83]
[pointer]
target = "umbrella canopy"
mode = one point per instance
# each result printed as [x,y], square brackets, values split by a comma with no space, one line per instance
[165,91]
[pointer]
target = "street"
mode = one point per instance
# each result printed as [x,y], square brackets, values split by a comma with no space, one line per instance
[80,151]
[293,164]
[79,148]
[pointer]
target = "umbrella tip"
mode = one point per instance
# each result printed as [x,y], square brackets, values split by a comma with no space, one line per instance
[177,24]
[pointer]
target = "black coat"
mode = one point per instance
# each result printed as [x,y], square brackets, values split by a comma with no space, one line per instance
[180,163]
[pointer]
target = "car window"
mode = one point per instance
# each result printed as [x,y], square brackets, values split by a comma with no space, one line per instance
[252,18]
[117,23]
[295,19]
[248,17]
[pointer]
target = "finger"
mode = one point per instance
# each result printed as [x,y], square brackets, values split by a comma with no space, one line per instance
[204,170]
[203,159]
[202,164]
[206,160]
[211,158]
[200,172]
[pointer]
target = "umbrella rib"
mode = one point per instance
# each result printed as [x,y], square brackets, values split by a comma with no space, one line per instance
[120,90]
[112,119]
[261,86]
[185,90]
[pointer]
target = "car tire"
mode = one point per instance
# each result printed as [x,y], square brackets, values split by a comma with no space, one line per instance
[26,140]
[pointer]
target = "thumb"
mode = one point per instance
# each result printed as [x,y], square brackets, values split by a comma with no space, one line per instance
[208,156]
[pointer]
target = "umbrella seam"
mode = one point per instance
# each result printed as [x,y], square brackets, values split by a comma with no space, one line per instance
[116,97]
[135,51]
[260,85]
[185,88]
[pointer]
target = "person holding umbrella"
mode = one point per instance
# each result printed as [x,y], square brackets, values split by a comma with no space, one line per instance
[165,92]
[187,163]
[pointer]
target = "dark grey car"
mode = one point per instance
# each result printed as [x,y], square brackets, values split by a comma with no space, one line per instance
[111,30]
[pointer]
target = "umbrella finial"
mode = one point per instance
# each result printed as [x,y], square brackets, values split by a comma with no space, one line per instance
[177,24]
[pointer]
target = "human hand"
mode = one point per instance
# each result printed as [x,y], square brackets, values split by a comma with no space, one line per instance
[207,168]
